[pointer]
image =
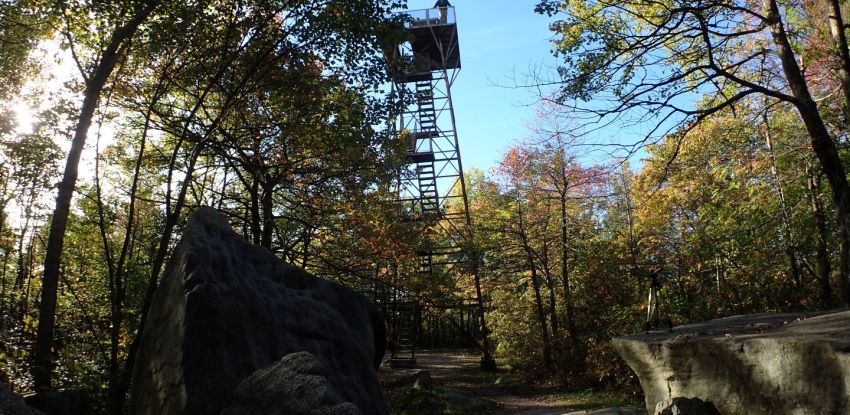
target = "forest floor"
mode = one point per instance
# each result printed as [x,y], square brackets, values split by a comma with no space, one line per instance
[458,387]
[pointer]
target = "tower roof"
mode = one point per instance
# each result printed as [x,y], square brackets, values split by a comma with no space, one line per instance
[433,43]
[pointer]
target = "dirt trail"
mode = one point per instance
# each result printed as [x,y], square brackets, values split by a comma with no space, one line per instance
[461,372]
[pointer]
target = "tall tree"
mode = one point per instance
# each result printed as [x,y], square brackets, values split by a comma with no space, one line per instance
[647,57]
[96,74]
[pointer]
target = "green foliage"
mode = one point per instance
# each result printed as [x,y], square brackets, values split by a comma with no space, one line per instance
[216,95]
[23,24]
[438,401]
[726,220]
[270,111]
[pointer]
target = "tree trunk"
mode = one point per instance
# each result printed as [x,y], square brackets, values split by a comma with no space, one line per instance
[822,239]
[822,143]
[550,286]
[631,239]
[541,314]
[22,274]
[565,267]
[579,357]
[839,38]
[165,240]
[538,299]
[4,288]
[223,187]
[115,284]
[42,369]
[256,226]
[487,361]
[787,234]
[553,309]
[305,254]
[268,217]
[21,271]
[30,270]
[118,390]
[4,291]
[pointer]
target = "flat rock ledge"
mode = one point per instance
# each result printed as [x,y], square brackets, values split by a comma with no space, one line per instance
[769,364]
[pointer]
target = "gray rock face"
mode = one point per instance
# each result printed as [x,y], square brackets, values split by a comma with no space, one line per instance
[297,384]
[421,380]
[227,309]
[11,404]
[685,406]
[768,364]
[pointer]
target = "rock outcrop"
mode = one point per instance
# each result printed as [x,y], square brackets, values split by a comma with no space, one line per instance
[297,384]
[230,315]
[685,406]
[11,404]
[62,402]
[767,364]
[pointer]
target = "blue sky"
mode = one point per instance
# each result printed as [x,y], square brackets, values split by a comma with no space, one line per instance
[499,40]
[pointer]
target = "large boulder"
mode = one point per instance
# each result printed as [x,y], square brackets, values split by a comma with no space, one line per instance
[11,404]
[227,311]
[766,364]
[297,384]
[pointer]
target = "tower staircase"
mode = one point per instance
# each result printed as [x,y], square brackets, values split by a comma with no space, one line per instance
[426,176]
[404,334]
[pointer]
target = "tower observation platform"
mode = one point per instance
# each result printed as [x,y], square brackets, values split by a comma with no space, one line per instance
[433,46]
[431,187]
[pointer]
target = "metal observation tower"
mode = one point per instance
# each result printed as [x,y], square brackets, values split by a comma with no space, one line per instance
[431,188]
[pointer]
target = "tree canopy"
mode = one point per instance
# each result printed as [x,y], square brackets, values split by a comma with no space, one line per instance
[275,112]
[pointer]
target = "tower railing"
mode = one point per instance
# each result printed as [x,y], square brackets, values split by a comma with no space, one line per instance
[430,17]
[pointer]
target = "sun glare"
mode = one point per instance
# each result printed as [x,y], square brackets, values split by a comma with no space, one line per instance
[23,117]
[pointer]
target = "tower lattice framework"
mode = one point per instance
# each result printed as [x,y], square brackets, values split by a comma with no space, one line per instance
[431,187]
